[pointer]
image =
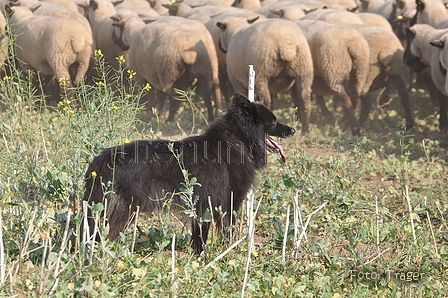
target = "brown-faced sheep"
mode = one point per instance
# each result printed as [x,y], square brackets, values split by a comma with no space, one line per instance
[419,51]
[226,87]
[341,57]
[280,55]
[175,55]
[50,45]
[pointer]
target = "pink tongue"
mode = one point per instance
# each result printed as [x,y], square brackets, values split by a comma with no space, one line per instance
[277,146]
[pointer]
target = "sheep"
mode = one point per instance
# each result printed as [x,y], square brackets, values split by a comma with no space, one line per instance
[176,52]
[215,32]
[288,10]
[432,12]
[420,52]
[204,13]
[386,65]
[341,58]
[50,45]
[280,55]
[98,12]
[141,7]
[334,16]
[3,41]
[374,19]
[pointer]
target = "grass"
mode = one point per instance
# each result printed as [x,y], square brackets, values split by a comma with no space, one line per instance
[368,215]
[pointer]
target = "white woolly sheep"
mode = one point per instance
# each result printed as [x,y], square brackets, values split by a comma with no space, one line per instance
[3,41]
[50,45]
[341,57]
[386,64]
[432,12]
[226,88]
[99,14]
[175,55]
[334,16]
[281,57]
[419,51]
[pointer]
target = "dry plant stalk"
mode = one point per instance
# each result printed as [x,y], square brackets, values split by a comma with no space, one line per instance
[134,234]
[285,236]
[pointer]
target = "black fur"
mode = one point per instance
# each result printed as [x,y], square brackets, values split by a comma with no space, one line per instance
[224,159]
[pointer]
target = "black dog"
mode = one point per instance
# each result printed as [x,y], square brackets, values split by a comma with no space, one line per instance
[224,160]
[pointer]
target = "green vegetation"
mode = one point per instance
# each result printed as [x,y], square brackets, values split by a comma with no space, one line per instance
[374,209]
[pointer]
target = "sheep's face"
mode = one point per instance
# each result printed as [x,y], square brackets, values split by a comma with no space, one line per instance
[412,55]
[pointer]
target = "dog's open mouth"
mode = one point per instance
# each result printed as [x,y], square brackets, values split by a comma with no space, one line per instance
[275,147]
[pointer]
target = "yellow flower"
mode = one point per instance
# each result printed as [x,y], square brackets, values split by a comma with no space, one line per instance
[93,174]
[7,78]
[131,73]
[113,108]
[100,83]
[64,82]
[147,87]
[127,141]
[120,59]
[98,53]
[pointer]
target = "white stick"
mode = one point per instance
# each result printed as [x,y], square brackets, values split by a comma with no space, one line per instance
[285,236]
[225,252]
[250,194]
[251,84]
[308,218]
[408,199]
[377,224]
[2,252]
[173,258]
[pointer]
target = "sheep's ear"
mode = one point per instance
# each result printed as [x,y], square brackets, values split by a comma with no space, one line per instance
[279,12]
[250,21]
[116,2]
[420,5]
[409,33]
[115,17]
[8,10]
[438,43]
[35,7]
[221,26]
[93,4]
[149,20]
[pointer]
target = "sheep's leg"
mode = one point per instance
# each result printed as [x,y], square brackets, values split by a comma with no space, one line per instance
[302,97]
[435,93]
[262,90]
[174,106]
[404,96]
[320,100]
[443,120]
[349,111]
[365,109]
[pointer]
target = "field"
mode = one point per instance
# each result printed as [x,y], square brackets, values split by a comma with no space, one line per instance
[367,215]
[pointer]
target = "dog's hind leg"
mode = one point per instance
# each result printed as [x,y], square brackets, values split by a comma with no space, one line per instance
[199,235]
[117,215]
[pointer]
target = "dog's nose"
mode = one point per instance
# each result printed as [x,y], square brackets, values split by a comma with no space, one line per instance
[293,131]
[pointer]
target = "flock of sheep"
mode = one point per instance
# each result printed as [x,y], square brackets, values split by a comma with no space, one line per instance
[341,48]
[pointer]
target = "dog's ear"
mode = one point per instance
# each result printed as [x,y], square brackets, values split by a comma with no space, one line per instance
[240,101]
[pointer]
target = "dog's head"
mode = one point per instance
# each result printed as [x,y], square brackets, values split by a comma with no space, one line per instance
[258,119]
